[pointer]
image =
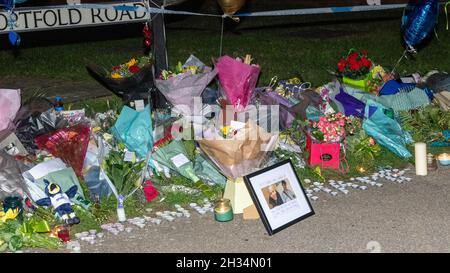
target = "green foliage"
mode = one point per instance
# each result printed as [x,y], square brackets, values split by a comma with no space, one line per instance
[205,191]
[426,124]
[13,238]
[190,149]
[314,43]
[125,175]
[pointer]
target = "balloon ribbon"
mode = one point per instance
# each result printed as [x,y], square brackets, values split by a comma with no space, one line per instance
[446,14]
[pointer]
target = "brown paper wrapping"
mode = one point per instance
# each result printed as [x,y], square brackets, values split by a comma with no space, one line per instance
[244,152]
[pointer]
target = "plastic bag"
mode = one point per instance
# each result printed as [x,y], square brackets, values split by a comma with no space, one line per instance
[70,144]
[135,130]
[386,131]
[9,106]
[238,81]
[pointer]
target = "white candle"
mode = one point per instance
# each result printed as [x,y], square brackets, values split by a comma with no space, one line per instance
[420,150]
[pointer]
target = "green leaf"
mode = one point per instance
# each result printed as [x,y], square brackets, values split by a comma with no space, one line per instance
[15,243]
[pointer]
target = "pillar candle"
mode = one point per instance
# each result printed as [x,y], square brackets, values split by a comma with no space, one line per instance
[420,150]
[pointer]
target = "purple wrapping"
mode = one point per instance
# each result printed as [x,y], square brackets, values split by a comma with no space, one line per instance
[181,89]
[352,106]
[273,98]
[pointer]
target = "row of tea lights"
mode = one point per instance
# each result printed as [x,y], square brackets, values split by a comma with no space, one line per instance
[359,183]
[92,236]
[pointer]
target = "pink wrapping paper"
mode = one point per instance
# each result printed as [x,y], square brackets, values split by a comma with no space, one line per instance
[237,80]
[9,106]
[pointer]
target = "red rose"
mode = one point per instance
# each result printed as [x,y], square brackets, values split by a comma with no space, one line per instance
[366,62]
[341,65]
[115,68]
[150,191]
[352,56]
[134,69]
[354,65]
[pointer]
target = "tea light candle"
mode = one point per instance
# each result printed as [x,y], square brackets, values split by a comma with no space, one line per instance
[223,211]
[420,150]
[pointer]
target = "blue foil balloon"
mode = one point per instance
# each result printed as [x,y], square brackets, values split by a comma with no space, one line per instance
[419,21]
[14,38]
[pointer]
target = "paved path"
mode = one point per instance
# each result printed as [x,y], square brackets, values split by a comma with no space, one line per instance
[70,91]
[411,217]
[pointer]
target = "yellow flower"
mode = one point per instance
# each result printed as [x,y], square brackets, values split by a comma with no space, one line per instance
[132,62]
[193,69]
[378,71]
[294,81]
[10,214]
[116,75]
[225,130]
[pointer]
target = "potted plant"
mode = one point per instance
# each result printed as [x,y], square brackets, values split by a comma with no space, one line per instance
[355,69]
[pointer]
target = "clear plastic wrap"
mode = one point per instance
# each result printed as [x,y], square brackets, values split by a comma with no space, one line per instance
[181,89]
[386,131]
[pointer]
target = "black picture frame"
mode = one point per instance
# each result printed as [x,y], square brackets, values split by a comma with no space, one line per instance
[256,200]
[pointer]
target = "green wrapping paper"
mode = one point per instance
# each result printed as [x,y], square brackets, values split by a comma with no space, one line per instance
[207,172]
[174,156]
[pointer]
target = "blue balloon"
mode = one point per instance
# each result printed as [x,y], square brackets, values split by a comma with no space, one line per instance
[8,4]
[14,38]
[418,21]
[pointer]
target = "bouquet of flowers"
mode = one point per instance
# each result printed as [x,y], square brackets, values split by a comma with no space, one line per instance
[184,83]
[129,80]
[333,128]
[180,69]
[172,154]
[125,175]
[237,150]
[378,77]
[133,66]
[238,80]
[355,65]
[70,144]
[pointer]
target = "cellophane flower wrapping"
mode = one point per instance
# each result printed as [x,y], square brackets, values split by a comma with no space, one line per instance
[9,106]
[241,154]
[172,154]
[70,144]
[35,124]
[237,81]
[180,90]
[135,130]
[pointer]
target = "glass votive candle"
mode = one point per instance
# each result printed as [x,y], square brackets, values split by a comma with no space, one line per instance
[223,211]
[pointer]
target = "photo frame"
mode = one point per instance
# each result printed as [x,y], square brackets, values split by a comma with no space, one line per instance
[279,196]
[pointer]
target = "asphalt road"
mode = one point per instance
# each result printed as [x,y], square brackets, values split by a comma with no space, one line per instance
[409,217]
